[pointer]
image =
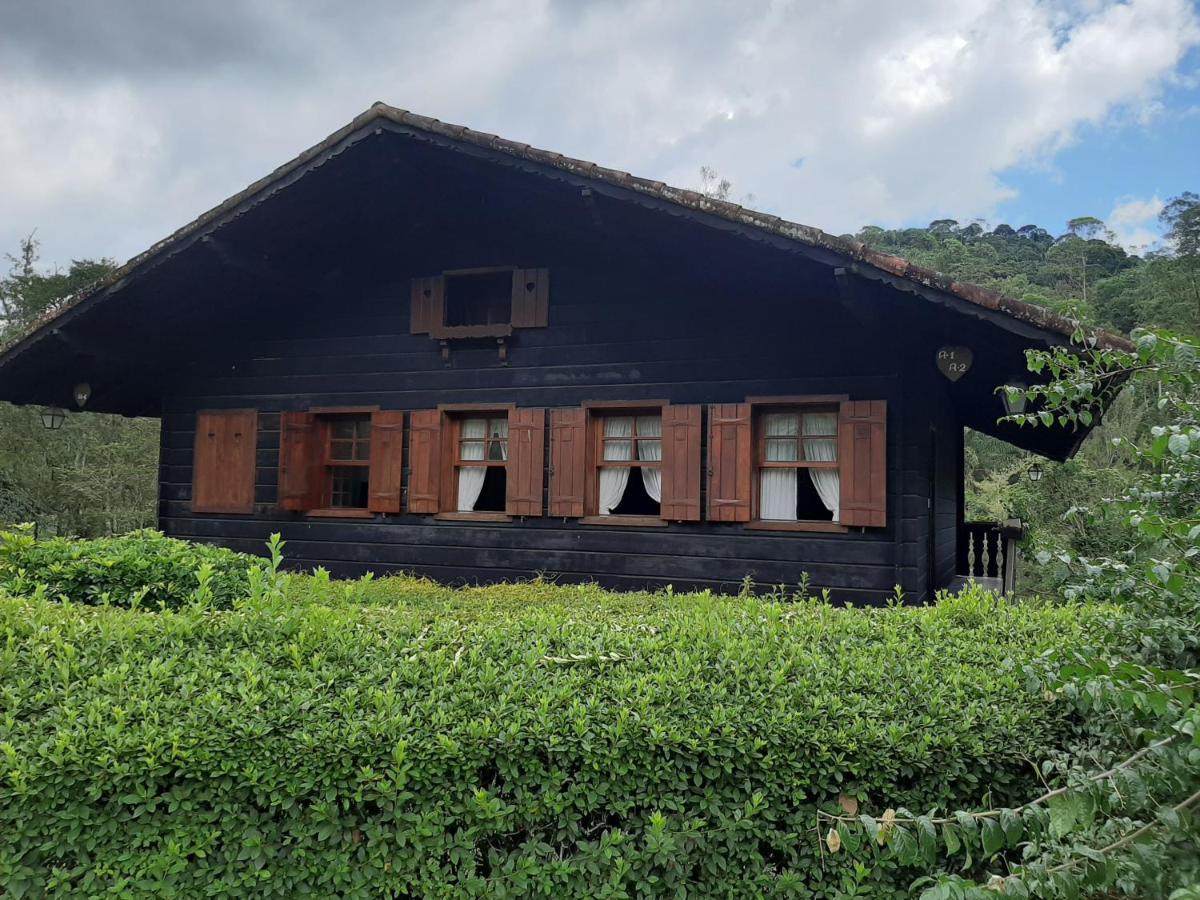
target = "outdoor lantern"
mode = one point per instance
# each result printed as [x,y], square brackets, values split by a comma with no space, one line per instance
[82,392]
[1014,398]
[53,417]
[1035,472]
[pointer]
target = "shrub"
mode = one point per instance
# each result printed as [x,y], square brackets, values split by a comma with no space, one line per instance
[141,568]
[519,740]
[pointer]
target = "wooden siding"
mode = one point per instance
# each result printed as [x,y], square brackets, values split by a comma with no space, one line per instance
[626,335]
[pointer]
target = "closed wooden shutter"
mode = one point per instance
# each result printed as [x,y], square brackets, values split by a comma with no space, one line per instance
[424,461]
[299,461]
[224,464]
[730,462]
[568,461]
[681,436]
[530,298]
[387,467]
[526,461]
[862,462]
[428,304]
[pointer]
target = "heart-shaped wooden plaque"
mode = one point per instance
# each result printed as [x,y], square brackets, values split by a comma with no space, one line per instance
[954,362]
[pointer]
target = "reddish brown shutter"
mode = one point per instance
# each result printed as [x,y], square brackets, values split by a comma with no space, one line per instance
[530,298]
[424,461]
[730,462]
[299,461]
[387,441]
[526,461]
[224,465]
[568,461]
[681,463]
[428,304]
[862,462]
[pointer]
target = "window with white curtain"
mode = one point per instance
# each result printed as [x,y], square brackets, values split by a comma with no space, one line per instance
[482,463]
[798,476]
[630,460]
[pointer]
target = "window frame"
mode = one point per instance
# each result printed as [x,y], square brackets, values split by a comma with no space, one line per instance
[760,407]
[597,411]
[440,330]
[322,417]
[453,415]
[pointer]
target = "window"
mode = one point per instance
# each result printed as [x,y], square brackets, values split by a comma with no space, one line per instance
[483,298]
[347,460]
[626,463]
[482,464]
[340,461]
[472,304]
[630,465]
[477,462]
[797,460]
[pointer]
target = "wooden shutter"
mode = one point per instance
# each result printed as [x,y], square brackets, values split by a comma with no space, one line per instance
[862,462]
[730,462]
[299,461]
[428,304]
[224,464]
[424,461]
[530,298]
[681,463]
[387,441]
[526,461]
[568,461]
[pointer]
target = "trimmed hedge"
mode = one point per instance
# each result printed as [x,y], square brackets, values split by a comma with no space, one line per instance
[142,568]
[399,739]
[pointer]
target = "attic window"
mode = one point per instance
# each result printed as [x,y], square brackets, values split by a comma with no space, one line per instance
[479,298]
[469,304]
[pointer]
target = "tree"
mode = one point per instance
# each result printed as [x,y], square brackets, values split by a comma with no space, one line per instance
[1089,228]
[26,294]
[1181,217]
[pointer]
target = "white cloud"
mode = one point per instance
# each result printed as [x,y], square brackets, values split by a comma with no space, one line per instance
[1134,221]
[898,111]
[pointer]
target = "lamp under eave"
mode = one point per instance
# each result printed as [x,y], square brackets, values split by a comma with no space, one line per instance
[53,417]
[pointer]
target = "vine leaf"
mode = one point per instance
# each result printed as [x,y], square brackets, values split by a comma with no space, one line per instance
[993,837]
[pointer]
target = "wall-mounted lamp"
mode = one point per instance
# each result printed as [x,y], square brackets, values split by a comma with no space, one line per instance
[53,417]
[1035,473]
[82,393]
[1014,398]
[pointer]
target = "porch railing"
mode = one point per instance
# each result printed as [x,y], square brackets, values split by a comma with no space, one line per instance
[988,550]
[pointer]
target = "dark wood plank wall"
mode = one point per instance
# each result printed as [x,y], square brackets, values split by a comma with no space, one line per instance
[614,334]
[931,455]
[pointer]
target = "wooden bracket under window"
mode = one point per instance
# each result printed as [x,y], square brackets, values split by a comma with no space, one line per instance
[501,344]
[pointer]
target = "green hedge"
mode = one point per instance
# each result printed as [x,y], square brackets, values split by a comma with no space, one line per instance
[401,739]
[142,568]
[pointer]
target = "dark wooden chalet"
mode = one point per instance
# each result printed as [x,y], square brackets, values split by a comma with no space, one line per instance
[417,347]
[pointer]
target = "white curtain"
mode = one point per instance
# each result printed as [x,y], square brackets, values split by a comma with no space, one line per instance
[777,487]
[498,445]
[827,481]
[651,426]
[470,478]
[614,479]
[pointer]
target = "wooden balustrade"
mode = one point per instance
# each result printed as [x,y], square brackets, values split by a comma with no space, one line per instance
[988,550]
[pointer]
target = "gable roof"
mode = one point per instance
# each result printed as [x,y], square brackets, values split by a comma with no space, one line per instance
[853,255]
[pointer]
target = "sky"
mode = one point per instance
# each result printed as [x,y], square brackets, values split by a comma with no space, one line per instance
[123,120]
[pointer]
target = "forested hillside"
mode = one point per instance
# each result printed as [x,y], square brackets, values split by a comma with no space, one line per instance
[97,475]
